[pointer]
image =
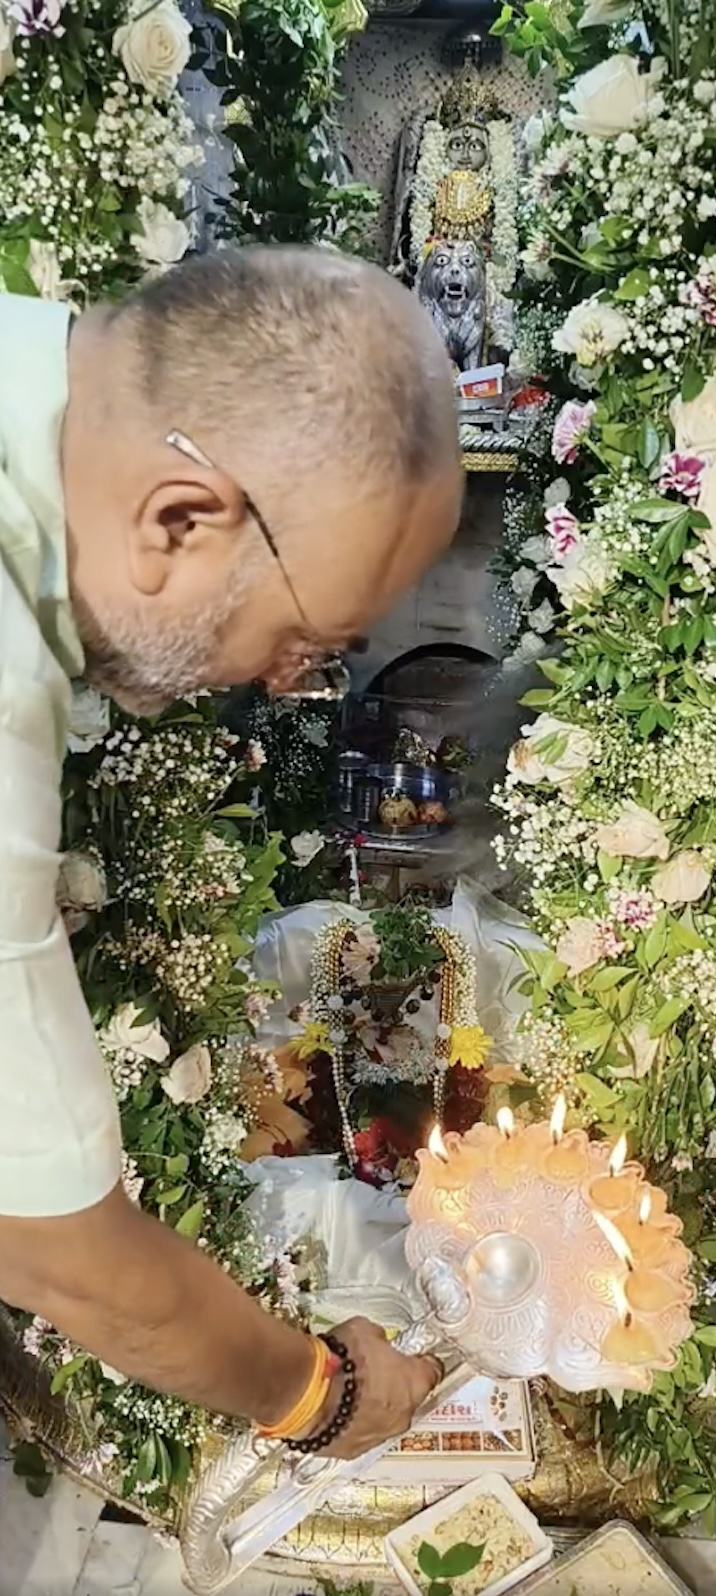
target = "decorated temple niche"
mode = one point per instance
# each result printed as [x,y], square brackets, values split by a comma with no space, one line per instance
[432,117]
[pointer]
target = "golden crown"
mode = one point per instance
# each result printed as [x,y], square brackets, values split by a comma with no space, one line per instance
[468,99]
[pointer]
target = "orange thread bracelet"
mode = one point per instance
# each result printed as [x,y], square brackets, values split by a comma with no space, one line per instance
[308,1406]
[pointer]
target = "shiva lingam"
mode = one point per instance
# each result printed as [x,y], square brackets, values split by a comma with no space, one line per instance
[537,1252]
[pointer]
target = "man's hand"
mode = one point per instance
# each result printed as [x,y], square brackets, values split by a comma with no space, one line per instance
[391,1387]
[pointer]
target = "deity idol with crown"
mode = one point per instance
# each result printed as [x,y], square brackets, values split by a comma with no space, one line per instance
[455,231]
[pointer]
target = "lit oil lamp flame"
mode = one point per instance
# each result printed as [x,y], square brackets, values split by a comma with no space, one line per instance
[436,1145]
[618,1158]
[559,1114]
[615,1239]
[620,1300]
[505,1121]
[645,1209]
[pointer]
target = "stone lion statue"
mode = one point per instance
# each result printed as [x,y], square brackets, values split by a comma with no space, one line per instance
[452,287]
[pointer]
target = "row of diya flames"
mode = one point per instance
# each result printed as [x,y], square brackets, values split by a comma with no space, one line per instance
[649,1286]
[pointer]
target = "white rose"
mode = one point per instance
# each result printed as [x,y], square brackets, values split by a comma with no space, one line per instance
[89,719]
[542,619]
[529,649]
[164,238]
[684,879]
[536,129]
[189,1078]
[82,883]
[523,583]
[585,572]
[592,331]
[305,846]
[8,64]
[557,492]
[572,752]
[615,97]
[154,45]
[581,944]
[635,834]
[538,550]
[145,1040]
[604,13]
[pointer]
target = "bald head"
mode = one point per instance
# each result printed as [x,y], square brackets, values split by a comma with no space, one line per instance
[312,387]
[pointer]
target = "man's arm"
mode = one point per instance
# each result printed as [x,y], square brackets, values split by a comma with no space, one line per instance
[141,1298]
[128,1289]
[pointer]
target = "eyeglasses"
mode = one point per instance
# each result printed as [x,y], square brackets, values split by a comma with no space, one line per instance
[321,676]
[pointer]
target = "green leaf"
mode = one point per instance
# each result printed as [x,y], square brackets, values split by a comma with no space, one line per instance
[608,867]
[237,812]
[537,698]
[147,1459]
[648,443]
[178,1165]
[429,1561]
[693,380]
[647,721]
[190,1223]
[63,1375]
[667,1016]
[174,1195]
[606,980]
[705,1333]
[657,511]
[654,944]
[461,1559]
[635,286]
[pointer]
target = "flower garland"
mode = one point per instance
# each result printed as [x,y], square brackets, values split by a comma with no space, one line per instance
[609,793]
[503,172]
[95,145]
[433,165]
[346,956]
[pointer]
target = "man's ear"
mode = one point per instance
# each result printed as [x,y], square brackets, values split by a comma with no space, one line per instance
[202,510]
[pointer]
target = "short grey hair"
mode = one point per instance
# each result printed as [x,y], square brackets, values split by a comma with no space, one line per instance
[326,353]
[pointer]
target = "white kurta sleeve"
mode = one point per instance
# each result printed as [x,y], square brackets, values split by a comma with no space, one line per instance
[59,1130]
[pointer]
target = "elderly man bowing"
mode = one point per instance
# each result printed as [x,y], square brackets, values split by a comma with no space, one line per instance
[221,479]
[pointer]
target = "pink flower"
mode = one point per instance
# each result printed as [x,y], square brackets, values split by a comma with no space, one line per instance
[612,945]
[635,909]
[573,421]
[682,473]
[563,529]
[256,755]
[33,17]
[701,295]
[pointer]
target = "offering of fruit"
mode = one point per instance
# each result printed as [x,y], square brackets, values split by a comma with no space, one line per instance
[398,811]
[433,813]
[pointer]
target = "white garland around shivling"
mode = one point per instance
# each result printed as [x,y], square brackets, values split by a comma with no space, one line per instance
[501,265]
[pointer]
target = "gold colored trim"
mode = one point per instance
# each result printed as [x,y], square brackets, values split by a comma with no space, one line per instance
[475,460]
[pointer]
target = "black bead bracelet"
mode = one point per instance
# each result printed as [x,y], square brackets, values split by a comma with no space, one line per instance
[346,1407]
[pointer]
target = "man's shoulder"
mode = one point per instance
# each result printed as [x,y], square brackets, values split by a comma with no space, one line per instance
[34,691]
